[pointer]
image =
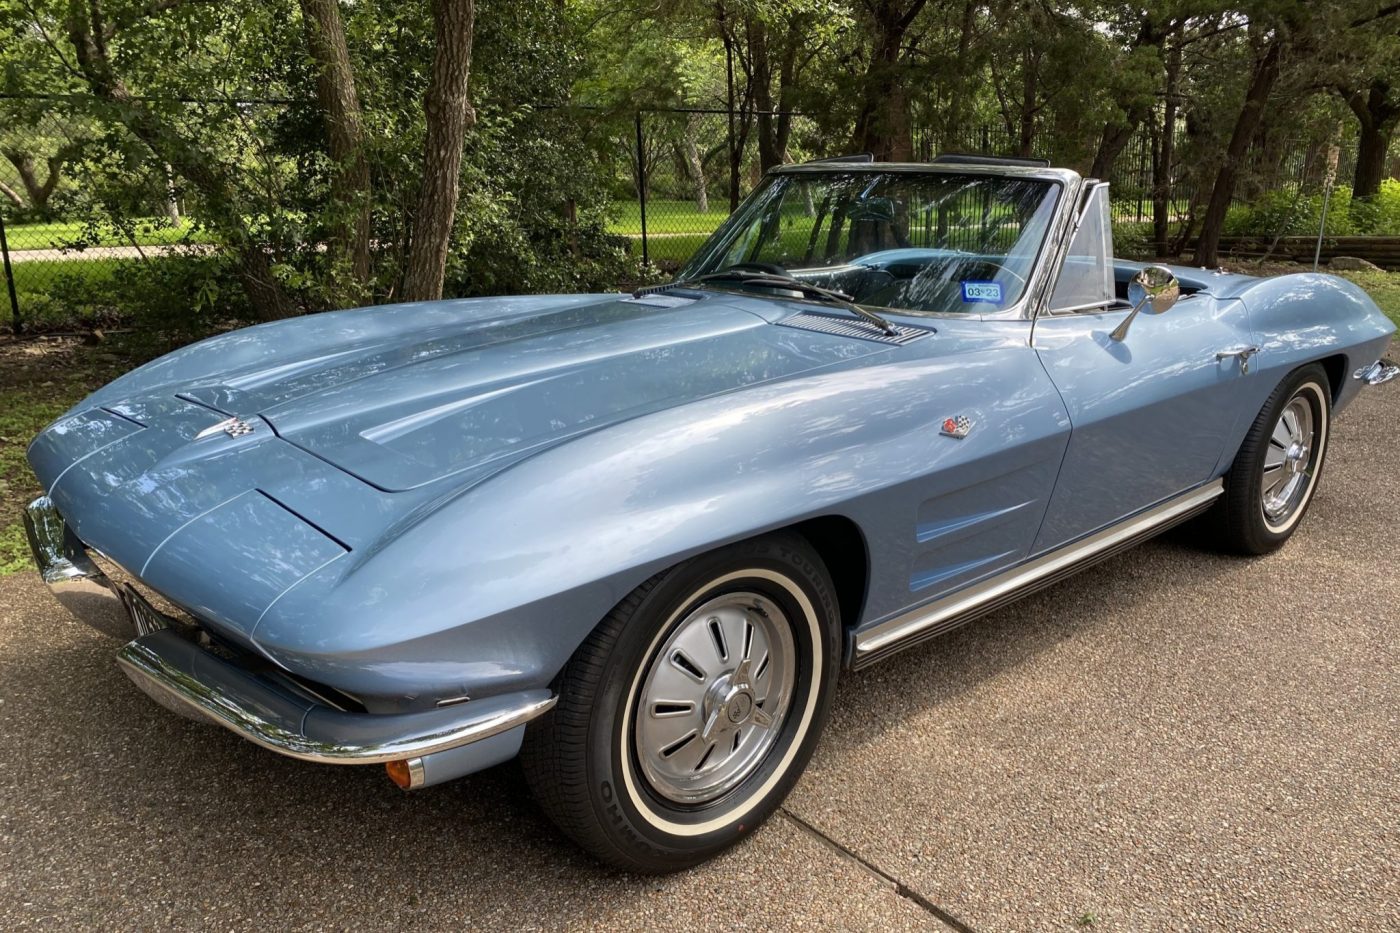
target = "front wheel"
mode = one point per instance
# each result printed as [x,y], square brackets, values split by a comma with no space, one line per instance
[1274,476]
[691,710]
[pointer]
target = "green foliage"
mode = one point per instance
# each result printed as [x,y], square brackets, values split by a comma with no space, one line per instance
[551,165]
[1294,213]
[168,300]
[1132,240]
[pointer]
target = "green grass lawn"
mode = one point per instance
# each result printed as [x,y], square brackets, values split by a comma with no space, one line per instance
[57,234]
[666,217]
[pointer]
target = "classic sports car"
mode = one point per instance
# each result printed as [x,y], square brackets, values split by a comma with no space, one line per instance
[635,538]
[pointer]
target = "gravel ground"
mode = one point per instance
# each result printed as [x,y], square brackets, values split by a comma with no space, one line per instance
[1172,740]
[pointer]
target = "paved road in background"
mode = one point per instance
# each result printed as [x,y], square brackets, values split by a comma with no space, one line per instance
[1173,739]
[105,252]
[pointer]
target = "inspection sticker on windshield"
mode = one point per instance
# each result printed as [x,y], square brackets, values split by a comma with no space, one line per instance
[989,292]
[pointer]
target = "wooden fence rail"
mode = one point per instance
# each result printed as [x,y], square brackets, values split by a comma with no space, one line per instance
[1384,251]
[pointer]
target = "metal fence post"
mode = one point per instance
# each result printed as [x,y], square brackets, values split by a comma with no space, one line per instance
[1142,175]
[1322,228]
[10,278]
[642,187]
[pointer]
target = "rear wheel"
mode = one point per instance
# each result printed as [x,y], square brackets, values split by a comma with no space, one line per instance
[1271,484]
[691,710]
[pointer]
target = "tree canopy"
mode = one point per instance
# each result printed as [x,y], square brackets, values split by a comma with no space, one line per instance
[373,151]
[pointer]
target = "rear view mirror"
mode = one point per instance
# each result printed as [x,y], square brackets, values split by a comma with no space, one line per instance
[1154,288]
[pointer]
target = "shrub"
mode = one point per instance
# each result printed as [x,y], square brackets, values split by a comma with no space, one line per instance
[1289,212]
[169,299]
[1133,240]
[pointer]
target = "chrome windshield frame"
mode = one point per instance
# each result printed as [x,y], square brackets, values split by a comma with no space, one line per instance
[1039,283]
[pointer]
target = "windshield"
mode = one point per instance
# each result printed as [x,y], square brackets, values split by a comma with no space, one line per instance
[903,241]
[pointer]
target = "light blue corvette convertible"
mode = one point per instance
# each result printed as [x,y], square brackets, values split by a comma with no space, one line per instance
[634,539]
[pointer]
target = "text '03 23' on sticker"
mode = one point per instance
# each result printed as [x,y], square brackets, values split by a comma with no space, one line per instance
[990,292]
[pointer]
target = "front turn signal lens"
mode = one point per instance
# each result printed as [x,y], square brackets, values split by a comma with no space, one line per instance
[401,773]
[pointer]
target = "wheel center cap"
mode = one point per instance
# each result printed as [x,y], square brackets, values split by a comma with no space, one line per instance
[1297,457]
[740,706]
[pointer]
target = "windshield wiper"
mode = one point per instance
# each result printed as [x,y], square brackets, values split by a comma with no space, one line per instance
[774,280]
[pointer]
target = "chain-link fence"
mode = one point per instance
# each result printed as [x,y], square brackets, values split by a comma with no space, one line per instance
[686,168]
[84,204]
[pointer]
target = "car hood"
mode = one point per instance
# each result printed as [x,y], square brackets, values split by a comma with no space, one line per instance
[402,408]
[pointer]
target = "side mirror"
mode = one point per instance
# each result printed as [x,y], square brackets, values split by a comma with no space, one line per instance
[1155,288]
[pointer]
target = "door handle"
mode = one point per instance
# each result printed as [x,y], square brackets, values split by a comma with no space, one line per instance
[1243,353]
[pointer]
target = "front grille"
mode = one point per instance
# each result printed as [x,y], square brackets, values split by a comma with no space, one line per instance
[155,605]
[854,327]
[143,615]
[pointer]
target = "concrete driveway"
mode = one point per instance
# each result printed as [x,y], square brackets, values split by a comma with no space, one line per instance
[1172,740]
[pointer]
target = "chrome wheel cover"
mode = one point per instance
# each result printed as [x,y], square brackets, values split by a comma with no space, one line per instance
[1290,463]
[715,697]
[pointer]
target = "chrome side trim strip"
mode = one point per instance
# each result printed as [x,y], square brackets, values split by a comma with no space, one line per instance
[964,604]
[180,674]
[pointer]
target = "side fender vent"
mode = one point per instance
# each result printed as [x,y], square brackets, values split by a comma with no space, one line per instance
[853,327]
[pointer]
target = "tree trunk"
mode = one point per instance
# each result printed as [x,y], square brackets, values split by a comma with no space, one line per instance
[760,74]
[1370,161]
[1166,156]
[957,103]
[883,122]
[1377,115]
[740,110]
[1266,72]
[1115,136]
[345,137]
[787,86]
[449,115]
[695,167]
[171,204]
[773,128]
[1113,141]
[12,195]
[1030,80]
[38,191]
[87,30]
[731,148]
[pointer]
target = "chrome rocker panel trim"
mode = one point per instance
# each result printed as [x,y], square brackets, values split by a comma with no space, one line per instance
[1379,372]
[169,668]
[183,677]
[941,615]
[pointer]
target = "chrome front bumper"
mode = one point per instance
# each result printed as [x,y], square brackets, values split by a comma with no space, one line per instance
[170,666]
[71,574]
[178,670]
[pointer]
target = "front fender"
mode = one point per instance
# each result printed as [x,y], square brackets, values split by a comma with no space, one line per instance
[494,589]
